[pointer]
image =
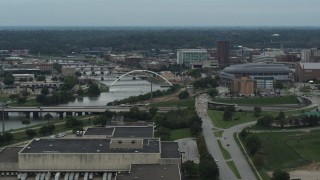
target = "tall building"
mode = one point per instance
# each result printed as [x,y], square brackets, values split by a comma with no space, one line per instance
[223,53]
[188,56]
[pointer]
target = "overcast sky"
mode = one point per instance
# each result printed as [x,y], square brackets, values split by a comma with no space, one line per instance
[159,12]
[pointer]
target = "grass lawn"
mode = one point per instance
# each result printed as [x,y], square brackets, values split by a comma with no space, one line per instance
[180,133]
[4,97]
[218,133]
[226,154]
[234,169]
[292,149]
[270,100]
[29,102]
[179,103]
[217,118]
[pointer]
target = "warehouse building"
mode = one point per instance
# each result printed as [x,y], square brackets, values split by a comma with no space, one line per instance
[107,153]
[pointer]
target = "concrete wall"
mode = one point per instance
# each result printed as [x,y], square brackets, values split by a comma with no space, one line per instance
[92,161]
[8,166]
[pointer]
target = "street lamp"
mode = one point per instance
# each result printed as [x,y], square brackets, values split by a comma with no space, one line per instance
[3,128]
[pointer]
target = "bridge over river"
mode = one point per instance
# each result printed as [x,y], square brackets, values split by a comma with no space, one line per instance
[73,110]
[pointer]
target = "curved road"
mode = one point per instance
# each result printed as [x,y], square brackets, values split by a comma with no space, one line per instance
[211,140]
[236,155]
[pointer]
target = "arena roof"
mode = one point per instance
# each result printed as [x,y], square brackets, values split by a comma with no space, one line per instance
[256,68]
[82,145]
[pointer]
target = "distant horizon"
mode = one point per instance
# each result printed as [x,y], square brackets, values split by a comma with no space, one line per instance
[160,13]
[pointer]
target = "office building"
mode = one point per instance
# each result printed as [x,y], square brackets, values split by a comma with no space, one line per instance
[307,71]
[223,53]
[188,56]
[243,86]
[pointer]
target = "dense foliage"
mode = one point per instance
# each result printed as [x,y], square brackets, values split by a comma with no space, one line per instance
[205,83]
[208,168]
[68,40]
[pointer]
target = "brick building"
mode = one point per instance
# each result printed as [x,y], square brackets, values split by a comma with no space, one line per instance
[307,71]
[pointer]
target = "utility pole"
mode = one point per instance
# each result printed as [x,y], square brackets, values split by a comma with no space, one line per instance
[3,118]
[151,92]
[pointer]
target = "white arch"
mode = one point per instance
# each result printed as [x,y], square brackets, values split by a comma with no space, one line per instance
[141,71]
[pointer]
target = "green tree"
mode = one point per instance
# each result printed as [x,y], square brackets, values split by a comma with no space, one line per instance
[256,111]
[280,175]
[190,168]
[80,92]
[278,85]
[26,122]
[208,168]
[45,91]
[265,121]
[213,92]
[41,78]
[183,95]
[48,117]
[8,80]
[72,122]
[153,111]
[31,133]
[253,144]
[258,160]
[281,119]
[25,94]
[77,74]
[228,113]
[94,90]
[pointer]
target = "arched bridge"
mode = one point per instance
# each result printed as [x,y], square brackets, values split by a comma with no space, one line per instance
[140,71]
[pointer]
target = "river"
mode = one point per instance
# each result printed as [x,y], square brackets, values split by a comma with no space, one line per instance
[122,89]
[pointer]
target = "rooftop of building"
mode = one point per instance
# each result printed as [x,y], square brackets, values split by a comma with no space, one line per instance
[310,65]
[257,68]
[170,150]
[83,145]
[123,131]
[9,154]
[154,172]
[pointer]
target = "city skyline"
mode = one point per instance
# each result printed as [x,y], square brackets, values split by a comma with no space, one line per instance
[159,13]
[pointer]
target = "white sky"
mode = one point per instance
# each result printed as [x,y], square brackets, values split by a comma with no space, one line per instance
[159,12]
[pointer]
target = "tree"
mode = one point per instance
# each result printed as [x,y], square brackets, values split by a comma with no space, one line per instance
[280,175]
[228,113]
[189,168]
[208,168]
[281,119]
[8,80]
[72,122]
[45,91]
[77,74]
[31,133]
[253,144]
[41,78]
[278,85]
[258,160]
[25,93]
[94,90]
[257,111]
[48,117]
[213,92]
[80,92]
[244,134]
[26,122]
[54,78]
[265,121]
[46,130]
[30,79]
[183,95]
[153,111]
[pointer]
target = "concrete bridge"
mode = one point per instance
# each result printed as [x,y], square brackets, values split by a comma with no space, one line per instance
[73,110]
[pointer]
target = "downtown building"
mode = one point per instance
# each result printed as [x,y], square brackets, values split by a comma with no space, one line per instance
[189,56]
[223,53]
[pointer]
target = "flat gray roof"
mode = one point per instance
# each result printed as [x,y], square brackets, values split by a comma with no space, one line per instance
[170,150]
[99,131]
[10,154]
[154,172]
[133,132]
[80,145]
[123,131]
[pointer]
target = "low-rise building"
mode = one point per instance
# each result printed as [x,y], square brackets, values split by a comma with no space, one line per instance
[243,86]
[307,71]
[188,56]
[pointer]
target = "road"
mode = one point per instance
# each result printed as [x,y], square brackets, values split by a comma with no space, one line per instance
[236,154]
[211,140]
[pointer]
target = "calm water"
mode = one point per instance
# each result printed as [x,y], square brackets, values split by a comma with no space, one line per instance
[122,89]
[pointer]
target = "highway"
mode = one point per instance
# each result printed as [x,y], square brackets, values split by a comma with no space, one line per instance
[211,140]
